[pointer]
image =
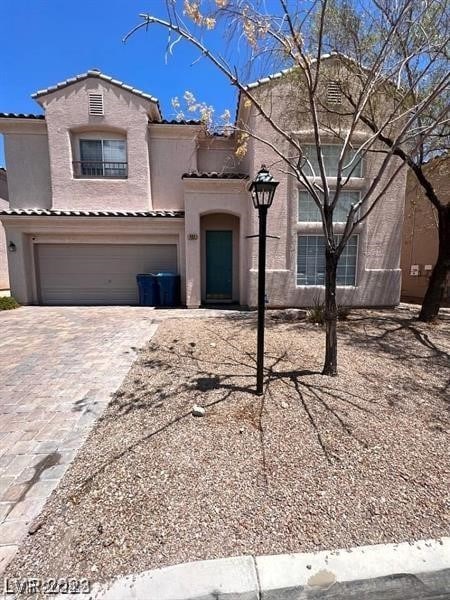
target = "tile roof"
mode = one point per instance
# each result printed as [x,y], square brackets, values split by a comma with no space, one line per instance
[98,75]
[20,116]
[283,72]
[213,175]
[45,212]
[175,122]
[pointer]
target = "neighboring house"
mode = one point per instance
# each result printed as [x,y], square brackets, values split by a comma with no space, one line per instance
[420,230]
[103,188]
[4,205]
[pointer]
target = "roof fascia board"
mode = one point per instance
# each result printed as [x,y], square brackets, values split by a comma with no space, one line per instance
[17,125]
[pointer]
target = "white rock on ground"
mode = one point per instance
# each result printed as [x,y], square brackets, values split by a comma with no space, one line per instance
[198,411]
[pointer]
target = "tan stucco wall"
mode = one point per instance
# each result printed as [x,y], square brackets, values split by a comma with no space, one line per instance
[4,279]
[67,114]
[420,232]
[27,159]
[4,195]
[173,151]
[217,153]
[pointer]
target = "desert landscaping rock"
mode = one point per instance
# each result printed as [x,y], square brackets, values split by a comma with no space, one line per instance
[198,411]
[350,462]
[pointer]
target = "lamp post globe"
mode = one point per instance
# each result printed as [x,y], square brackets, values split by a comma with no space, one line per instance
[262,188]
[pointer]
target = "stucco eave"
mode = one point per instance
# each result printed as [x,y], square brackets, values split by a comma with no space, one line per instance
[173,131]
[15,125]
[223,185]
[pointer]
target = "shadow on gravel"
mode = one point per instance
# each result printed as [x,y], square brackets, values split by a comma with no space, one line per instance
[316,396]
[228,376]
[391,336]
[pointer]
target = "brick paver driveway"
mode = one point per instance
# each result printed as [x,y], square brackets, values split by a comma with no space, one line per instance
[58,370]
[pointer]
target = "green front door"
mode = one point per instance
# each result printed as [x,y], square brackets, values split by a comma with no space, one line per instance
[219,265]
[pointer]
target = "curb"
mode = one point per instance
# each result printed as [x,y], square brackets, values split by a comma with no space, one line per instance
[406,571]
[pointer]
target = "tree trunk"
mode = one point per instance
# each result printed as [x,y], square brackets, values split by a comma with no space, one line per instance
[436,286]
[330,364]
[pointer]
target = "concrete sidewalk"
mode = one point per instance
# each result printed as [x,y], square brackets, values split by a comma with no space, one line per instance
[406,571]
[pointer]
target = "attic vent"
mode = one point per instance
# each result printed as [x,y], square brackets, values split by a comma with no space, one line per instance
[96,104]
[334,94]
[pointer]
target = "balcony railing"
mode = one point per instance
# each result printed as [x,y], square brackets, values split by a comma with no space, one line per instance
[95,169]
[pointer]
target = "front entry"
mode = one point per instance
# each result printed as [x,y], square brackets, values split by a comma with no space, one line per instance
[219,266]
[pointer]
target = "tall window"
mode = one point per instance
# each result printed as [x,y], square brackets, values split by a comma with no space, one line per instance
[331,154]
[102,158]
[311,261]
[308,211]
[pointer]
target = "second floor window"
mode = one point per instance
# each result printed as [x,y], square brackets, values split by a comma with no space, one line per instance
[331,153]
[308,211]
[102,158]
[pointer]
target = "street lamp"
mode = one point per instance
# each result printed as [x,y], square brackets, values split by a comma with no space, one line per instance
[262,189]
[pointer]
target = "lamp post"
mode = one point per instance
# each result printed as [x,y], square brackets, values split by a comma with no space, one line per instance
[262,189]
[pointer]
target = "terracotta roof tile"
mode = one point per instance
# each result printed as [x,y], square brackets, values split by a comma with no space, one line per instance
[214,175]
[98,75]
[45,212]
[175,122]
[20,116]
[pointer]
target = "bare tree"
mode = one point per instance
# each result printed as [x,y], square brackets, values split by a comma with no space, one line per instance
[296,36]
[420,48]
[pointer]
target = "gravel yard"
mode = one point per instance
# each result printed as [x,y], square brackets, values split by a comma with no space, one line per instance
[316,463]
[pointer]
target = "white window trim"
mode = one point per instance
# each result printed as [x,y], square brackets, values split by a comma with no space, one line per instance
[321,287]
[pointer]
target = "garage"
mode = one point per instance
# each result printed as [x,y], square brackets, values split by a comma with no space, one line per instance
[98,273]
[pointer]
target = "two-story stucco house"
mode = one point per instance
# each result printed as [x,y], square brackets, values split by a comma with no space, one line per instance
[102,188]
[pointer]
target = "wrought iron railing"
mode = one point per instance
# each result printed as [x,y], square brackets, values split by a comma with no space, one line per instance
[94,169]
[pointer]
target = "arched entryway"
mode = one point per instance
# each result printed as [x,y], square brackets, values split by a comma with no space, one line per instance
[220,258]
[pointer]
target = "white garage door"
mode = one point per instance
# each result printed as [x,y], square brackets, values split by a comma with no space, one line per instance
[98,273]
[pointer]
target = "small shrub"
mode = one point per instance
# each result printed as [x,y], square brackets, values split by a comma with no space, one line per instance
[8,303]
[343,312]
[316,314]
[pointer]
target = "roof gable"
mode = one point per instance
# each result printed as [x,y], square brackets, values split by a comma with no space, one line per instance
[94,73]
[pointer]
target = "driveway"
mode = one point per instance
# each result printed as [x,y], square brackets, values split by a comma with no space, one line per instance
[58,369]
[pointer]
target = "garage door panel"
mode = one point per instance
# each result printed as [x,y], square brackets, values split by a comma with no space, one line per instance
[98,273]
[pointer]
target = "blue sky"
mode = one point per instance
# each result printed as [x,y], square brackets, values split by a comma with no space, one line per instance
[43,42]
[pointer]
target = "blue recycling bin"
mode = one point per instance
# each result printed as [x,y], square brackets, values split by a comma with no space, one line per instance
[169,289]
[148,289]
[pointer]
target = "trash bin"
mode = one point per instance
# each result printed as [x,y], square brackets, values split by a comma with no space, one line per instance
[169,289]
[148,289]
